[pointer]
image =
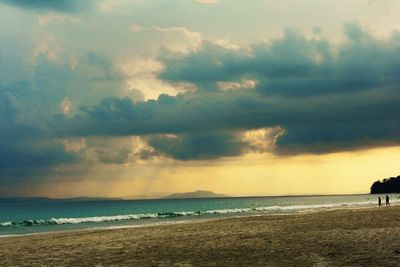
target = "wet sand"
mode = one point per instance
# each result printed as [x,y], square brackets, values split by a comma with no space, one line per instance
[350,237]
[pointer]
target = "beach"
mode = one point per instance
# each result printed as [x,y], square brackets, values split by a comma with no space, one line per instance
[341,237]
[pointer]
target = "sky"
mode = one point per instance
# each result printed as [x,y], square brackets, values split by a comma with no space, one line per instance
[143,98]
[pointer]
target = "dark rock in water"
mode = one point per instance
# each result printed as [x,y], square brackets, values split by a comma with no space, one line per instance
[387,185]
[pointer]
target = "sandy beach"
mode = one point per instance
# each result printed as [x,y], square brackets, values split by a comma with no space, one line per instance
[350,237]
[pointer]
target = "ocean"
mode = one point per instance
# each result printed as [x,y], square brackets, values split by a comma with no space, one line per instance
[43,215]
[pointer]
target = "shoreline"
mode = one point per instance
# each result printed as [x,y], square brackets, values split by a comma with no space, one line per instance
[366,236]
[193,219]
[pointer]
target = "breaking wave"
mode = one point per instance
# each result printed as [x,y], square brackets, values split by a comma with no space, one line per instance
[131,217]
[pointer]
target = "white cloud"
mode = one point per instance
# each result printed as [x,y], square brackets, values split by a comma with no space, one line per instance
[177,39]
[227,44]
[43,46]
[206,2]
[66,106]
[137,28]
[242,84]
[46,19]
[74,144]
[263,139]
[106,150]
[112,5]
[141,73]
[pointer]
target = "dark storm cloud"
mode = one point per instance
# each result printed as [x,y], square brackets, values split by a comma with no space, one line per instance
[313,124]
[24,158]
[295,66]
[326,98]
[198,145]
[28,147]
[206,67]
[25,146]
[56,5]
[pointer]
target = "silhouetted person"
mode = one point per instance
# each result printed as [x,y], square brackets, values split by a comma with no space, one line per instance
[387,201]
[379,202]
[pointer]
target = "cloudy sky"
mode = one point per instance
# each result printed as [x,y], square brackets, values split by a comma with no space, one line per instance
[141,98]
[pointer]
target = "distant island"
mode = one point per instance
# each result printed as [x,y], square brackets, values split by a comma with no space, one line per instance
[387,185]
[196,194]
[47,199]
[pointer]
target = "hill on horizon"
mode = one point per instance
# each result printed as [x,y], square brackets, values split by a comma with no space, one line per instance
[196,194]
[48,199]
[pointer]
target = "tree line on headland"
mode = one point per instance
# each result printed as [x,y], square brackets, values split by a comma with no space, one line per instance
[387,185]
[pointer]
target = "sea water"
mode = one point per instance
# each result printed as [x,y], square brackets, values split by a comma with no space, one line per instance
[44,215]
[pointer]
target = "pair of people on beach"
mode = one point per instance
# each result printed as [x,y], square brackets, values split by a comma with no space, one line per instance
[387,201]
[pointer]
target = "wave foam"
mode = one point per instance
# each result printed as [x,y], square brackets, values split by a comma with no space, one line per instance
[99,219]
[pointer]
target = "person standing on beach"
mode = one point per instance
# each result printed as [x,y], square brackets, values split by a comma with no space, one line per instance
[379,202]
[387,201]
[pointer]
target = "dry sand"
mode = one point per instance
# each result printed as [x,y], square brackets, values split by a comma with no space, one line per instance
[352,237]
